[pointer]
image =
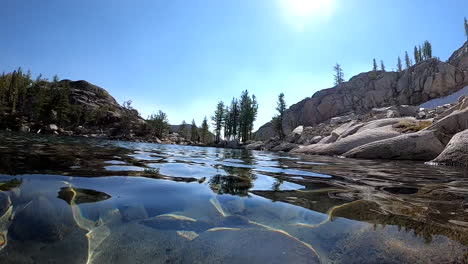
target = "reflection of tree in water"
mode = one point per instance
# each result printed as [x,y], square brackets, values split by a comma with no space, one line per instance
[221,184]
[277,184]
[240,154]
[373,213]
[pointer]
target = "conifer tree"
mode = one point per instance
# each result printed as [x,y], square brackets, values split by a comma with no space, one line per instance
[420,54]
[204,130]
[248,108]
[339,76]
[382,66]
[427,50]
[183,129]
[279,117]
[227,123]
[159,123]
[374,65]
[407,60]
[399,65]
[217,119]
[194,131]
[234,118]
[466,28]
[63,105]
[417,58]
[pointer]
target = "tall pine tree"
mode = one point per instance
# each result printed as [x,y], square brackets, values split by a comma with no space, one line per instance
[279,117]
[417,58]
[194,132]
[408,61]
[217,119]
[466,28]
[204,131]
[427,50]
[339,76]
[382,65]
[399,65]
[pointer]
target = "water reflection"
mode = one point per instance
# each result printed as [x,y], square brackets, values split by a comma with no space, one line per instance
[86,201]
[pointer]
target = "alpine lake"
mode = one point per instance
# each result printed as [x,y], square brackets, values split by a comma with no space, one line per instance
[75,200]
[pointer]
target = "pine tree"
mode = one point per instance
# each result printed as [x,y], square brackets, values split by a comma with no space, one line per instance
[339,76]
[382,66]
[194,132]
[374,65]
[159,123]
[217,119]
[466,28]
[417,58]
[420,54]
[279,117]
[183,129]
[227,123]
[248,108]
[38,99]
[253,115]
[399,65]
[234,118]
[204,130]
[63,105]
[408,61]
[427,50]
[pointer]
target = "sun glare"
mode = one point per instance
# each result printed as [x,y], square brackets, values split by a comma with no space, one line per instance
[299,13]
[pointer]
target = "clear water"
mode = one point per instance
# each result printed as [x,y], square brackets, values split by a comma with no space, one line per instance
[66,200]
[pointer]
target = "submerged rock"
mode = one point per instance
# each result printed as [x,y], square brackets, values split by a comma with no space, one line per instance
[41,220]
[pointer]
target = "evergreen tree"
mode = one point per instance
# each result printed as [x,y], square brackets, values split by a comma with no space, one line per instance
[227,123]
[339,75]
[159,123]
[279,117]
[417,58]
[204,132]
[382,66]
[427,50]
[217,119]
[420,54]
[247,115]
[253,115]
[466,28]
[374,65]
[235,113]
[183,129]
[194,132]
[399,65]
[63,105]
[407,60]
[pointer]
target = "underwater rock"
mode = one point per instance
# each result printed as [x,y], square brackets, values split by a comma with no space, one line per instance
[41,220]
[78,196]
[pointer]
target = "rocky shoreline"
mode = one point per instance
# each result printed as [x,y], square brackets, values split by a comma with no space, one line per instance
[439,135]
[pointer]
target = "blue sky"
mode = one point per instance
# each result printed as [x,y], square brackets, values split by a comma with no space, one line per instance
[182,56]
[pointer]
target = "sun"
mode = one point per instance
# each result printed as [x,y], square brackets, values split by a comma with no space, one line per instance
[299,13]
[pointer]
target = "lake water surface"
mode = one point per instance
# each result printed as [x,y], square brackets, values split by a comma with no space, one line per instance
[68,200]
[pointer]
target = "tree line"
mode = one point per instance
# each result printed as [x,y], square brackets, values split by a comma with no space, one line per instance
[38,100]
[420,53]
[235,120]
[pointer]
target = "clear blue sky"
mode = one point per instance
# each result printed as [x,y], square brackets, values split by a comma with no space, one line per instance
[182,56]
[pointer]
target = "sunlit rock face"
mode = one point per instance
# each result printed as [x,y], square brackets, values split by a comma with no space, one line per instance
[420,83]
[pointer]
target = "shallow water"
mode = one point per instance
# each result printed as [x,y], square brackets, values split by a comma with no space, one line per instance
[67,200]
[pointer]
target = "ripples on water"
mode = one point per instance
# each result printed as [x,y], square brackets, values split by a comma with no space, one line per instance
[65,200]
